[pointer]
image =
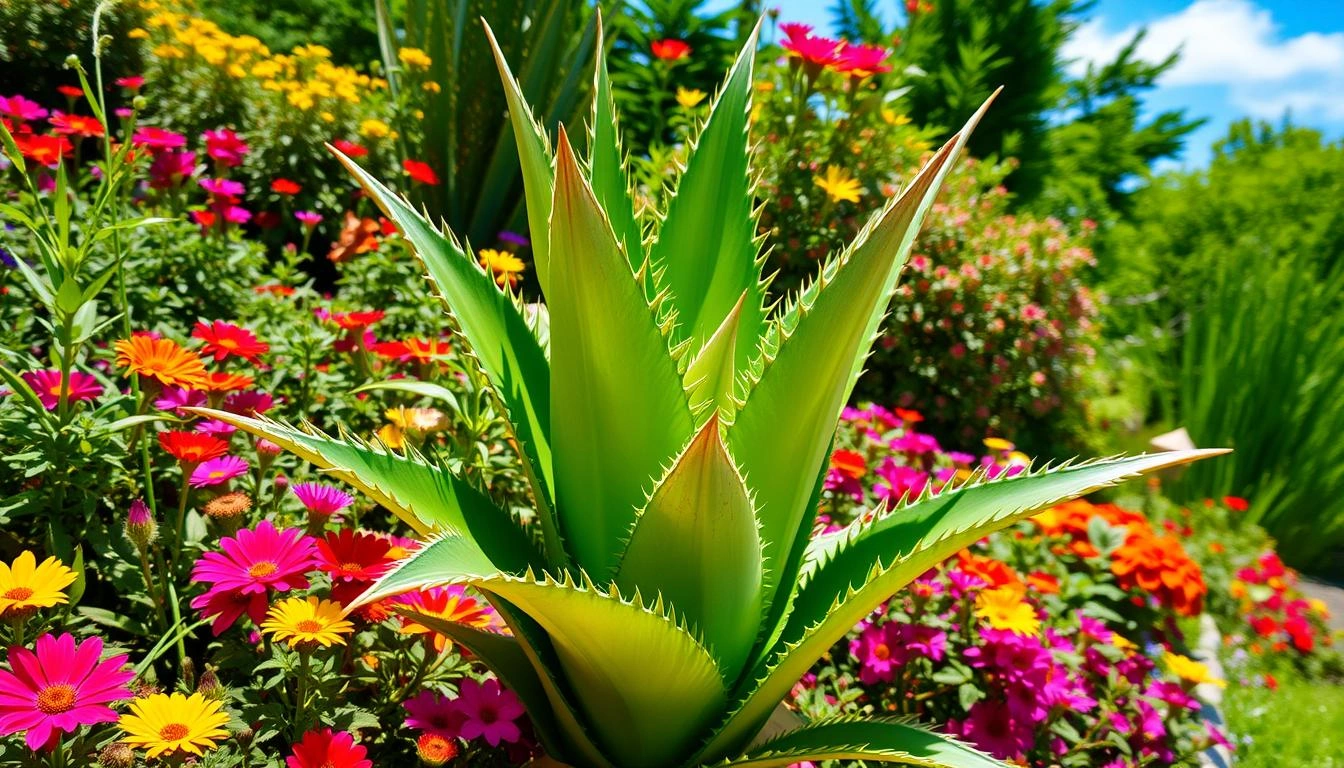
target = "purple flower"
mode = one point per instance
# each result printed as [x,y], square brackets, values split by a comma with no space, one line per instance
[169,169]
[1171,693]
[216,428]
[899,481]
[514,238]
[432,713]
[879,651]
[217,471]
[22,108]
[488,712]
[1093,629]
[1016,659]
[914,442]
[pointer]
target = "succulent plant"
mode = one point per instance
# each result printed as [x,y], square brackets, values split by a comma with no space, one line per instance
[675,428]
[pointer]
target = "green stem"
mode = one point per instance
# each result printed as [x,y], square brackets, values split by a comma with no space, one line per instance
[300,705]
[155,596]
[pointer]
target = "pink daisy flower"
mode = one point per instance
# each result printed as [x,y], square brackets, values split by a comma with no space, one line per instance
[249,402]
[61,687]
[322,499]
[252,563]
[217,471]
[47,385]
[488,712]
[176,398]
[154,138]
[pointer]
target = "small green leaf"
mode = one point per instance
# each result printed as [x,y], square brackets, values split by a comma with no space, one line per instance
[711,376]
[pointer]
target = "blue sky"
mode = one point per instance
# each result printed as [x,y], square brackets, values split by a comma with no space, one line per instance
[1258,58]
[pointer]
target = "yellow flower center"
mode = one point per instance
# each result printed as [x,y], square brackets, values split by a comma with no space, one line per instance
[882,651]
[309,626]
[55,699]
[262,569]
[173,732]
[352,567]
[18,593]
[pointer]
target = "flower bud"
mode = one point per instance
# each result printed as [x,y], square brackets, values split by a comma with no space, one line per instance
[118,754]
[188,672]
[244,737]
[72,62]
[139,103]
[210,687]
[140,526]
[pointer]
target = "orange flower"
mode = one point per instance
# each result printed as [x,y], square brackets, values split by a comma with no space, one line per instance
[1043,583]
[161,359]
[226,382]
[357,236]
[192,447]
[995,573]
[1159,565]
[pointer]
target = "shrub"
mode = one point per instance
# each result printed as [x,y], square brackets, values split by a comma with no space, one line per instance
[994,328]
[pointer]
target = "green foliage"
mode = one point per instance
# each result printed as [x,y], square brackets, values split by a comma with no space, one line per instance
[344,26]
[469,143]
[1243,313]
[37,36]
[970,47]
[675,519]
[1106,145]
[1268,728]
[646,86]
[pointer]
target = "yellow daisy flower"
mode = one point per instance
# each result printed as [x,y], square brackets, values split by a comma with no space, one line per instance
[1190,671]
[839,185]
[419,419]
[307,621]
[503,265]
[689,97]
[1003,608]
[374,128]
[414,58]
[998,444]
[26,586]
[169,723]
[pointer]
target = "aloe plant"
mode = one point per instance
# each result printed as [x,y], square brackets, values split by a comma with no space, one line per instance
[675,431]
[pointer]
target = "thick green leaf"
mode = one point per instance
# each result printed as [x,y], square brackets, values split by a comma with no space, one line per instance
[534,153]
[606,164]
[707,243]
[645,685]
[498,337]
[579,747]
[816,344]
[848,574]
[424,496]
[696,545]
[618,410]
[711,376]
[878,740]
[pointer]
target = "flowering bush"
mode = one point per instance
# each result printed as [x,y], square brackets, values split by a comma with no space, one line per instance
[211,563]
[993,328]
[1022,644]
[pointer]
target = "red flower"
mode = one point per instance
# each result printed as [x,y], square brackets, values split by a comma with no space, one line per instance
[1264,626]
[73,91]
[349,148]
[224,339]
[909,416]
[1271,683]
[285,187]
[324,749]
[275,289]
[420,350]
[353,321]
[670,49]
[76,125]
[192,447]
[862,60]
[44,150]
[849,464]
[134,82]
[421,172]
[357,557]
[1236,503]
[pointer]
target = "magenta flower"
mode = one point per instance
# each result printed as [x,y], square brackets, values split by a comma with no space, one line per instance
[171,168]
[216,428]
[217,471]
[236,214]
[155,139]
[225,146]
[879,653]
[488,712]
[176,398]
[308,219]
[991,726]
[432,713]
[22,108]
[322,499]
[252,563]
[47,385]
[61,687]
[222,187]
[249,402]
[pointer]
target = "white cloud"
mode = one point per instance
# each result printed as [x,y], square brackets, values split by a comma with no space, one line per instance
[1238,45]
